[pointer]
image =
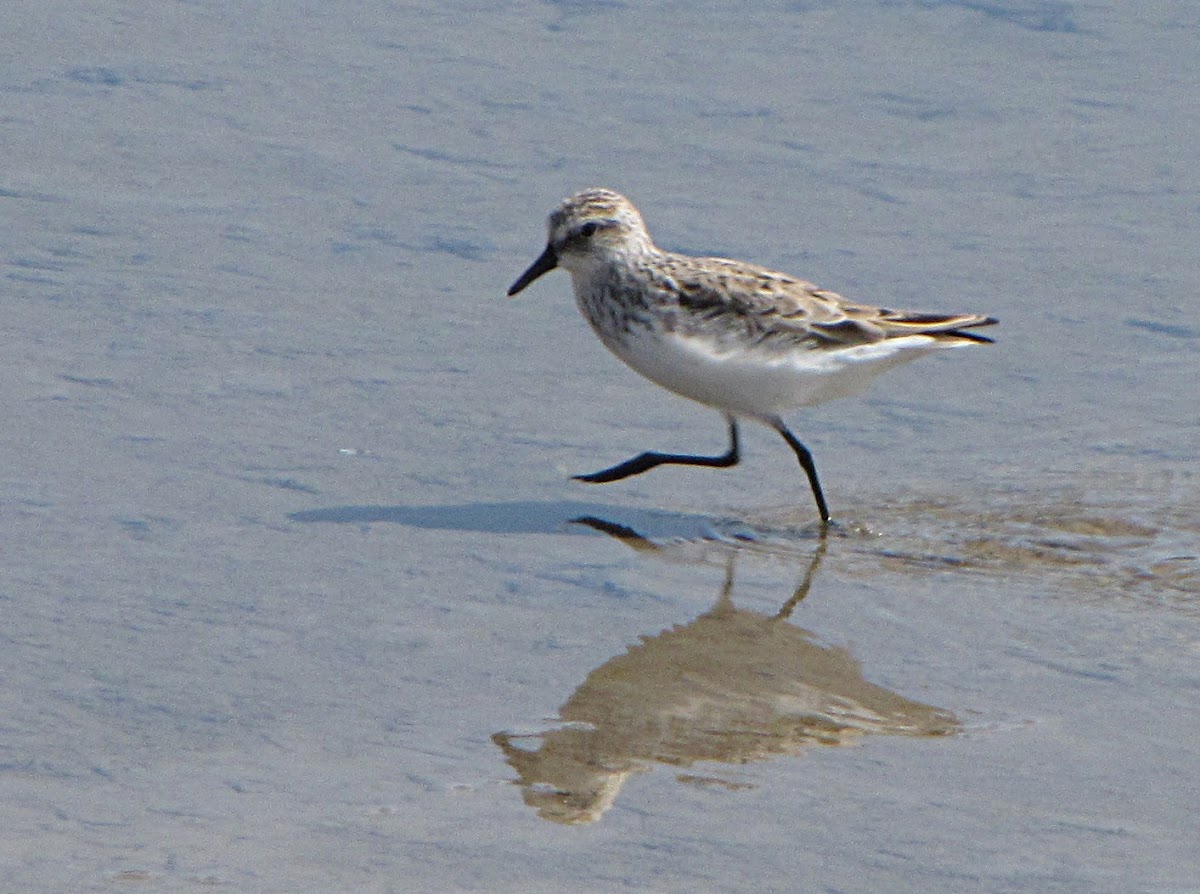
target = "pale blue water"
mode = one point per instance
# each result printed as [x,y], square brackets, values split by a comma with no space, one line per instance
[288,552]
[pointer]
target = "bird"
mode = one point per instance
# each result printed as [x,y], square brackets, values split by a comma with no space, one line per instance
[750,342]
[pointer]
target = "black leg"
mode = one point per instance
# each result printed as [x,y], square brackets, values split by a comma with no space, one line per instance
[646,461]
[806,463]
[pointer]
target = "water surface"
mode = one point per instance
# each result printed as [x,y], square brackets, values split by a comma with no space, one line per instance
[295,591]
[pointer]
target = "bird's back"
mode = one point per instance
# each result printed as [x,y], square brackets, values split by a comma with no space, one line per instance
[767,307]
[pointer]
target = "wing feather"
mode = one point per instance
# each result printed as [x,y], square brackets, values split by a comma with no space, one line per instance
[774,306]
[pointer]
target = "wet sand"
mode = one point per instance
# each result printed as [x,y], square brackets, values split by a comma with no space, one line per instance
[296,591]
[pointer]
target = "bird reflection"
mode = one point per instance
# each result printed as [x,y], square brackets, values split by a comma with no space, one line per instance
[731,686]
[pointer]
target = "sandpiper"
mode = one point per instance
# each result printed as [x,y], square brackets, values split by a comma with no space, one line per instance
[745,340]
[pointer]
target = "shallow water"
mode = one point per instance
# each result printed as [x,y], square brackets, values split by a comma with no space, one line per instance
[297,593]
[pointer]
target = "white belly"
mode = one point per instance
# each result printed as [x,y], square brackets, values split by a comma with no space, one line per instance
[763,384]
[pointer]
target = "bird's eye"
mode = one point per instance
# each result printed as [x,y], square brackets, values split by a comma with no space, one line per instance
[588,230]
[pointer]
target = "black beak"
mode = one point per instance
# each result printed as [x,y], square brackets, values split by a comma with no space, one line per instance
[546,262]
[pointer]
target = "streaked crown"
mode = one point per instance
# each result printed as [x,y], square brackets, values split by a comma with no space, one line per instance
[595,217]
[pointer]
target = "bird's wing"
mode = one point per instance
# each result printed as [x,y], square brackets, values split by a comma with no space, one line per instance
[772,305]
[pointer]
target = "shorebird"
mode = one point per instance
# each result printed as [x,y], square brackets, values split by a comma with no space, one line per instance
[742,339]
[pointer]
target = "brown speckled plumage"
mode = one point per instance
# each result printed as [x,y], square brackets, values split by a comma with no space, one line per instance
[743,339]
